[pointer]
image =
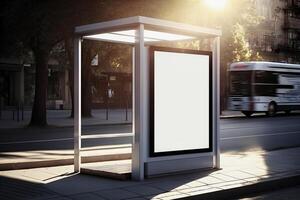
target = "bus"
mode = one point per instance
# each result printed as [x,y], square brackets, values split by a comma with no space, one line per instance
[266,87]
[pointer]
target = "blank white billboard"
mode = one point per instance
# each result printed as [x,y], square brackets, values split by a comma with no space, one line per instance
[181,103]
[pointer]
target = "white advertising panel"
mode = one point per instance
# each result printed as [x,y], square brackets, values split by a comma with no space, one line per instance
[181,102]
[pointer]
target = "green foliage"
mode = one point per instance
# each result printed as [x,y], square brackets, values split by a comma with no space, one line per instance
[241,50]
[240,17]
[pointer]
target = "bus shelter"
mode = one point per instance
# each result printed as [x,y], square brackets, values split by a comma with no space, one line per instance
[175,94]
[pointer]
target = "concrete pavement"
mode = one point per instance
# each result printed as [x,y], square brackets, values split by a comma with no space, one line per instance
[241,174]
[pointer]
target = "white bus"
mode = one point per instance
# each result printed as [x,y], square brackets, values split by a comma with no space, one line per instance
[264,87]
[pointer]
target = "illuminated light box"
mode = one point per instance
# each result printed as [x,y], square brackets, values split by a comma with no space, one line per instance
[180,101]
[129,36]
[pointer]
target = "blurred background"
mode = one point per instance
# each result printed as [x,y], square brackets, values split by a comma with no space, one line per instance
[36,60]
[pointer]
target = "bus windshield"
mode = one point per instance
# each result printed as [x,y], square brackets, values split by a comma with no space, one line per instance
[240,83]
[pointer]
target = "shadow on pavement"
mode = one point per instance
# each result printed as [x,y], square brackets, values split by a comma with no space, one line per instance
[16,189]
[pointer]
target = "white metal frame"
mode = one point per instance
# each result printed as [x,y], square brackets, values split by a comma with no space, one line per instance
[216,101]
[141,81]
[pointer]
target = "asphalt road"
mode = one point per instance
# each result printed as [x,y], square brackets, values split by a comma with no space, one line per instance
[260,132]
[237,134]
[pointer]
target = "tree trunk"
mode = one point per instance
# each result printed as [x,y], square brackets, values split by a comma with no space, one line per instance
[39,110]
[71,85]
[86,93]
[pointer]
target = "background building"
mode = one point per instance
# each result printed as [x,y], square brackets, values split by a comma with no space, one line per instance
[11,82]
[277,38]
[17,82]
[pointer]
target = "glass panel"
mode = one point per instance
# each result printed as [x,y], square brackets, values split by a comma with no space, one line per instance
[240,83]
[265,90]
[266,77]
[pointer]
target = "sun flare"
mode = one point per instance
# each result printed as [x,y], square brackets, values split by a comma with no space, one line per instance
[216,4]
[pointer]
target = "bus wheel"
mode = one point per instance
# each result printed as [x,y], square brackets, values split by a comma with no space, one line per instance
[247,113]
[271,109]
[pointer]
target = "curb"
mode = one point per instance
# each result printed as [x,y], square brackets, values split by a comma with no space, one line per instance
[69,126]
[106,174]
[231,116]
[256,115]
[249,190]
[91,125]
[60,162]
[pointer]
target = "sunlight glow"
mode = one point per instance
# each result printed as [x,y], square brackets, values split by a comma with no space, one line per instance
[128,36]
[216,4]
[165,36]
[112,37]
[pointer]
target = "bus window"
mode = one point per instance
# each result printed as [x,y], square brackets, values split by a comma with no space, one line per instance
[266,77]
[265,90]
[265,83]
[240,83]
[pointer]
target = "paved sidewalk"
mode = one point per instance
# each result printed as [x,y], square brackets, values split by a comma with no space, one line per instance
[241,173]
[42,158]
[61,118]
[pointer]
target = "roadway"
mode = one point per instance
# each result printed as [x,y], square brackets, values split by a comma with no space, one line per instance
[260,132]
[237,134]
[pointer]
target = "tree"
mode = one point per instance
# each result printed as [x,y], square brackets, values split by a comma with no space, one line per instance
[235,20]
[40,36]
[39,26]
[242,51]
[33,31]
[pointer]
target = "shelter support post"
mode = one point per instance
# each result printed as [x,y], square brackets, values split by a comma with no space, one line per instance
[140,106]
[216,99]
[77,103]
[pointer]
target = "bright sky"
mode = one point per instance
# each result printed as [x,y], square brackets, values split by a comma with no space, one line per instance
[215,4]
